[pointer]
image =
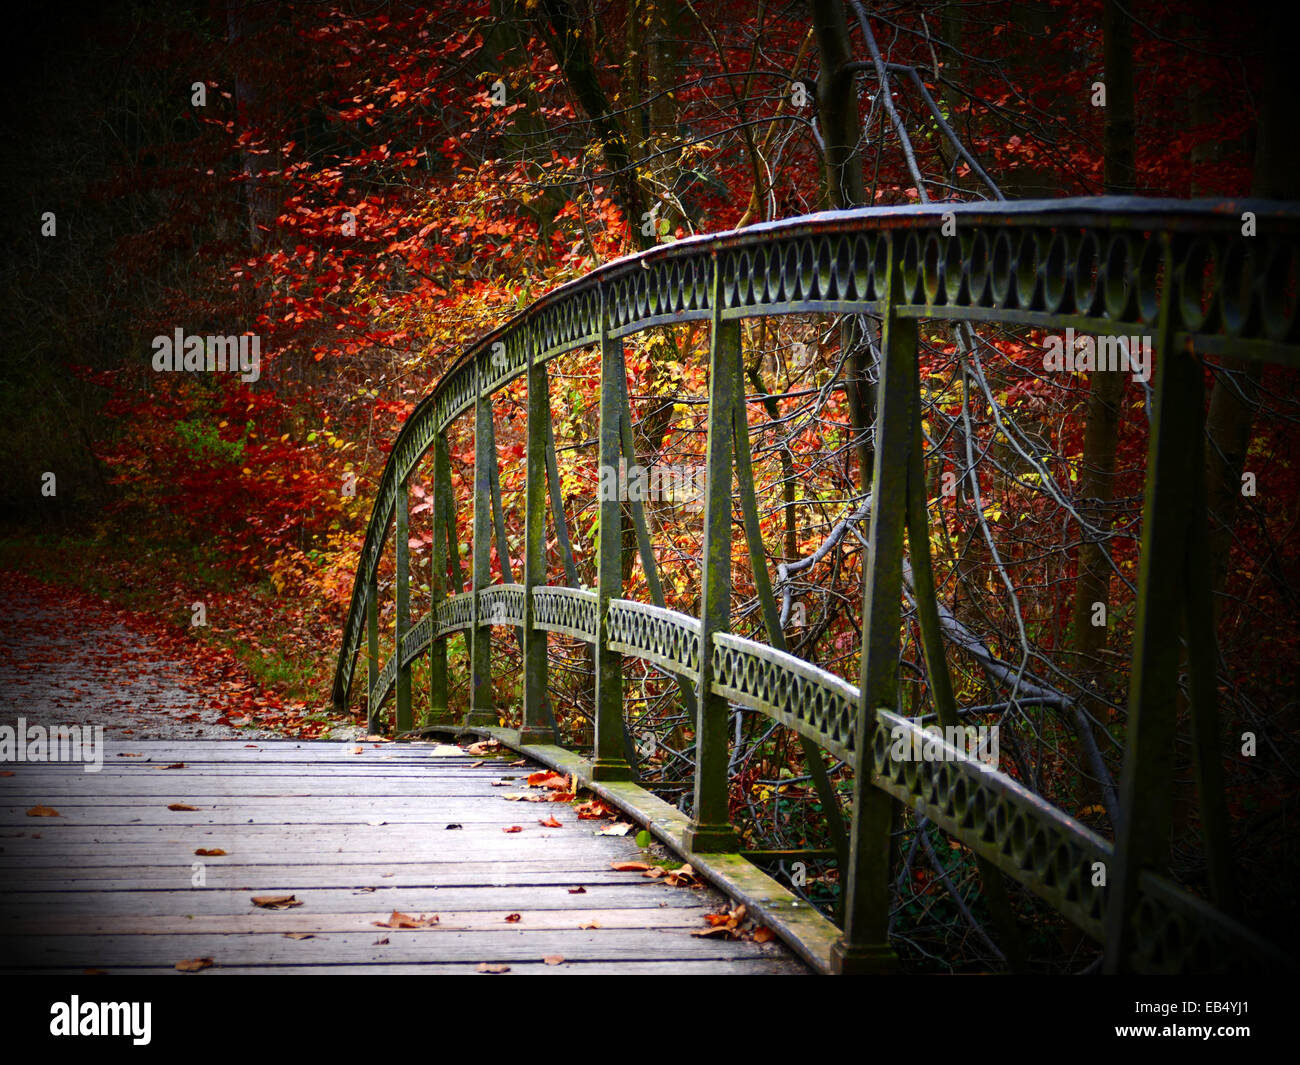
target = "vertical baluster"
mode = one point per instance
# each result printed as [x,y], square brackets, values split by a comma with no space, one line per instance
[609,760]
[481,713]
[864,947]
[437,712]
[1142,836]
[710,829]
[402,623]
[373,724]
[535,727]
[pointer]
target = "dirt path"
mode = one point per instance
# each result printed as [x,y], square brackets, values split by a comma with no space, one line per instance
[67,658]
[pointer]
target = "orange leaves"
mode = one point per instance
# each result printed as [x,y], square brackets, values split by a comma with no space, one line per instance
[216,852]
[43,811]
[180,806]
[194,965]
[631,867]
[550,822]
[405,920]
[595,810]
[276,902]
[513,828]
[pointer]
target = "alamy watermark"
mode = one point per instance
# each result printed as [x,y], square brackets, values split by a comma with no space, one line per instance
[1084,353]
[934,743]
[233,354]
[59,743]
[75,1017]
[639,484]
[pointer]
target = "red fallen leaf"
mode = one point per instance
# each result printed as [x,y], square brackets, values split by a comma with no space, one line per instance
[174,765]
[216,852]
[93,972]
[487,967]
[6,773]
[193,965]
[763,934]
[548,780]
[550,822]
[43,811]
[405,920]
[589,924]
[180,806]
[717,918]
[594,810]
[630,867]
[553,959]
[513,918]
[577,891]
[513,828]
[276,902]
[358,750]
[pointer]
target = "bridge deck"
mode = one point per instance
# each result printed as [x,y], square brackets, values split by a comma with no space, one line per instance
[108,884]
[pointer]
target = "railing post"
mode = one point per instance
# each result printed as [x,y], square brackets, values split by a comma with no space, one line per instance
[864,946]
[1142,835]
[482,713]
[609,761]
[402,624]
[373,725]
[437,713]
[710,828]
[535,728]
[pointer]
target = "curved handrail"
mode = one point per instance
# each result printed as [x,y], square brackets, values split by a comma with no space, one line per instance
[1212,277]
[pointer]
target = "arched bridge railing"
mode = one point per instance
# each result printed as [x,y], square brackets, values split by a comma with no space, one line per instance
[1199,278]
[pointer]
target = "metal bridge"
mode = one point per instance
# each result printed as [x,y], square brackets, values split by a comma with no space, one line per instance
[1180,272]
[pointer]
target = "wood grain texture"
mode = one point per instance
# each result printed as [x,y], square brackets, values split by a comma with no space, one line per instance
[110,883]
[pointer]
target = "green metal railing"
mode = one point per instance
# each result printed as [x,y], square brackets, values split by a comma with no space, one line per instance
[1181,272]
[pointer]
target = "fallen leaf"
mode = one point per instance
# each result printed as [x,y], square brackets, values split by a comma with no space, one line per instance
[455,826]
[276,902]
[577,891]
[174,765]
[719,930]
[358,750]
[6,773]
[300,935]
[376,739]
[380,942]
[215,852]
[550,822]
[630,867]
[477,765]
[763,934]
[517,765]
[93,972]
[589,924]
[487,967]
[553,959]
[180,806]
[193,965]
[405,920]
[620,828]
[595,810]
[513,918]
[513,828]
[43,811]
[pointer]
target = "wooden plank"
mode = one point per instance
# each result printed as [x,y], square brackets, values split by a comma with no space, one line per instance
[677,967]
[21,906]
[425,945]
